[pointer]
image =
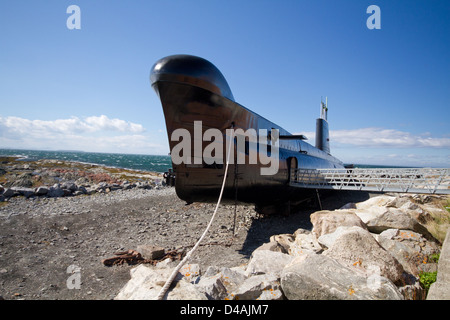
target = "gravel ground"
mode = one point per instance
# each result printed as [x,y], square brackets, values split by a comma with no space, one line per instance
[40,238]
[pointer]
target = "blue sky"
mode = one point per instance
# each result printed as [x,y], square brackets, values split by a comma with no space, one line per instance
[88,89]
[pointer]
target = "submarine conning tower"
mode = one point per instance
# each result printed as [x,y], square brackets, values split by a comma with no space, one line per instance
[192,70]
[322,133]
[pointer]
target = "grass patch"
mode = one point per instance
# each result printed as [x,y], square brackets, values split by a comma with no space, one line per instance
[434,257]
[426,279]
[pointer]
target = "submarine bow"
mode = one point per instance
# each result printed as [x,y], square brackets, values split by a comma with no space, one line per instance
[191,70]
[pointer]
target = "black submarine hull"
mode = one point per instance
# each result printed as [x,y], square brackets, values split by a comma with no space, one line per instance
[192,89]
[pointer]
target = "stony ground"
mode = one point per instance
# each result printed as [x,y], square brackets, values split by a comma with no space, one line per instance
[40,238]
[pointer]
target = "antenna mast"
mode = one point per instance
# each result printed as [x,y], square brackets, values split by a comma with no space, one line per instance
[324,108]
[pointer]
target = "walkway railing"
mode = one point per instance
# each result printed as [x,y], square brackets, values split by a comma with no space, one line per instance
[407,180]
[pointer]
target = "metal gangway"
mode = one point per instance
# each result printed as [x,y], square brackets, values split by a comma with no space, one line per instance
[403,180]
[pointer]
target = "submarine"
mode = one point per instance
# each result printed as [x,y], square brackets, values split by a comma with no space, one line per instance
[196,99]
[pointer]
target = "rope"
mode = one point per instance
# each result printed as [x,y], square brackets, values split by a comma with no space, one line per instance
[188,255]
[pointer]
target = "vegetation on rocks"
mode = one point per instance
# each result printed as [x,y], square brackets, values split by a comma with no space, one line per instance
[55,178]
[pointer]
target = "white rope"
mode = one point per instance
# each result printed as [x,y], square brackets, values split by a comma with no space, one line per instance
[188,255]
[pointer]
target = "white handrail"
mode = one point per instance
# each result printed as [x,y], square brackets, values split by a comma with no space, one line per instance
[408,180]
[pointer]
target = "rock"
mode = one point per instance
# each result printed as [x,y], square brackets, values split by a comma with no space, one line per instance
[23,180]
[211,271]
[272,294]
[267,262]
[272,246]
[283,240]
[82,190]
[41,191]
[305,242]
[67,192]
[254,288]
[356,248]
[231,278]
[212,288]
[26,192]
[389,233]
[422,198]
[396,219]
[416,212]
[328,221]
[69,185]
[143,185]
[319,277]
[190,272]
[166,263]
[328,239]
[404,254]
[150,252]
[146,283]
[376,203]
[10,192]
[55,191]
[301,231]
[386,212]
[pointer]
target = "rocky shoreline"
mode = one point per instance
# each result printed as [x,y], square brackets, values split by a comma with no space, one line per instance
[46,241]
[55,178]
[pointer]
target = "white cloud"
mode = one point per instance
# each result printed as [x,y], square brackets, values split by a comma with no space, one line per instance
[104,123]
[95,133]
[16,125]
[383,138]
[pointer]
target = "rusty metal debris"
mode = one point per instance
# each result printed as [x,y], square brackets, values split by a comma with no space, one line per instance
[134,257]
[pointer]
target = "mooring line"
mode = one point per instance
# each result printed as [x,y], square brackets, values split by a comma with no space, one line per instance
[169,281]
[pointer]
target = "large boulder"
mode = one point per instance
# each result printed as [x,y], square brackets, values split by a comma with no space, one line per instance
[261,287]
[387,212]
[328,221]
[267,262]
[319,277]
[229,278]
[212,287]
[410,248]
[393,218]
[146,283]
[327,240]
[357,248]
[304,242]
[376,203]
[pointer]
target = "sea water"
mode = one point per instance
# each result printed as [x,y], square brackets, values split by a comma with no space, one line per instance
[154,163]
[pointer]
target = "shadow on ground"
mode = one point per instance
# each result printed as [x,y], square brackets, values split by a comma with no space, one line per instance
[263,228]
